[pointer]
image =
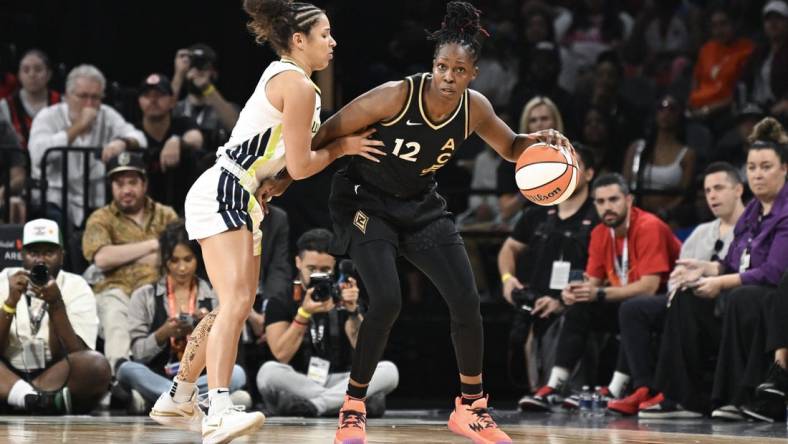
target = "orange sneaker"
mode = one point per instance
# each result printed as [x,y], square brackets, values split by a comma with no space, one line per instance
[352,427]
[474,422]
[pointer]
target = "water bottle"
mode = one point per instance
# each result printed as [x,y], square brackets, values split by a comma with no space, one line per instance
[585,402]
[598,403]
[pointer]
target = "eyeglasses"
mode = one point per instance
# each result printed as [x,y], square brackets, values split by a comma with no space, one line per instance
[92,97]
[717,248]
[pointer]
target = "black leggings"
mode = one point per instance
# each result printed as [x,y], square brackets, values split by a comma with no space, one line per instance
[448,268]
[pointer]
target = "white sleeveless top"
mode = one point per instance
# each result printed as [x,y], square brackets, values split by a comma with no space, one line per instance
[256,143]
[664,177]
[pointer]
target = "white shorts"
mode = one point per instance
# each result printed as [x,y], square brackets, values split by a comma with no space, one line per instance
[217,203]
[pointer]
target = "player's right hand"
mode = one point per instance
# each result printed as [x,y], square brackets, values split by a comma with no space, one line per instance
[553,138]
[359,144]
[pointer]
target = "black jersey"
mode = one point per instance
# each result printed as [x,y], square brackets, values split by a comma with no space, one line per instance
[416,147]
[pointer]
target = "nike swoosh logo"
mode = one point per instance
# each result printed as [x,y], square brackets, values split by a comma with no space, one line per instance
[409,123]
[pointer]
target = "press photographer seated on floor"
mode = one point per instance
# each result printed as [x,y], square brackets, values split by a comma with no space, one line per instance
[312,338]
[48,329]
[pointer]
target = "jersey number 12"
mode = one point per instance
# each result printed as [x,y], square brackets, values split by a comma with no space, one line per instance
[410,156]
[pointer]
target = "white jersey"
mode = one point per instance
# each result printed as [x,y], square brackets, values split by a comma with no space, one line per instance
[256,143]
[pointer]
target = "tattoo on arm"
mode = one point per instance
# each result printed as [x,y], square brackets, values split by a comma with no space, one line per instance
[196,341]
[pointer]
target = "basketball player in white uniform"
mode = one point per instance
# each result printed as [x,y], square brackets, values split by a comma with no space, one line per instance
[269,146]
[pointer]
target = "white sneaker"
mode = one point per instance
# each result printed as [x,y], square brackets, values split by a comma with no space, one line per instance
[180,415]
[137,404]
[230,424]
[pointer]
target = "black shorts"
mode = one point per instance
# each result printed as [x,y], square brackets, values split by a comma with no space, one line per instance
[362,214]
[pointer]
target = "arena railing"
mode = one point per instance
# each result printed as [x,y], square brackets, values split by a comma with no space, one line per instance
[85,153]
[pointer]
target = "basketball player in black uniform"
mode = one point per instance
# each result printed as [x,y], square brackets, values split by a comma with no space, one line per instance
[386,206]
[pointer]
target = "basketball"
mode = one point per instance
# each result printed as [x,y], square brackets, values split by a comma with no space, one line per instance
[546,176]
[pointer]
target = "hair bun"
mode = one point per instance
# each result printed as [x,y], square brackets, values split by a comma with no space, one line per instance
[769,130]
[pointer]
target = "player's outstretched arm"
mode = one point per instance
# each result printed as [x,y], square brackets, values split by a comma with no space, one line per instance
[500,137]
[378,104]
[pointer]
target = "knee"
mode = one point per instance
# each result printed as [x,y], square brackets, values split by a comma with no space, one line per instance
[628,311]
[384,307]
[238,378]
[390,375]
[237,307]
[265,376]
[91,365]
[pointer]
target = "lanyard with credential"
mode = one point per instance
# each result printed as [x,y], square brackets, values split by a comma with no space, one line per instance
[622,268]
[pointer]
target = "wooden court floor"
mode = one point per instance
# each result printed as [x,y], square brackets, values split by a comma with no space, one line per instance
[405,428]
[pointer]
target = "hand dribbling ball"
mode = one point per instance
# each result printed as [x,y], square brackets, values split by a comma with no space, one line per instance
[546,175]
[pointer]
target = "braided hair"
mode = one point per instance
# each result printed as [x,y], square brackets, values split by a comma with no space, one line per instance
[275,21]
[461,25]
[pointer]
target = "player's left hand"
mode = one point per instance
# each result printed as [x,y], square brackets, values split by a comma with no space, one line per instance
[553,138]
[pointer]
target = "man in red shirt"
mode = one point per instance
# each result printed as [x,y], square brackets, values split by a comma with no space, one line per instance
[631,253]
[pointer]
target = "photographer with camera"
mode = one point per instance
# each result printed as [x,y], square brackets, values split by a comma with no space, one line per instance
[535,264]
[195,68]
[161,318]
[312,338]
[631,254]
[48,329]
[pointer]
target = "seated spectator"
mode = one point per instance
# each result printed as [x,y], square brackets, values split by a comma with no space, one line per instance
[174,143]
[607,96]
[720,63]
[645,251]
[122,241]
[81,121]
[597,134]
[312,341]
[161,318]
[661,167]
[13,172]
[538,114]
[35,72]
[195,69]
[535,264]
[48,330]
[539,71]
[597,26]
[733,145]
[766,75]
[745,281]
[538,26]
[688,338]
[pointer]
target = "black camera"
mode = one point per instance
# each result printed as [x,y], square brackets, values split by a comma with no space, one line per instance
[324,287]
[524,299]
[199,59]
[39,275]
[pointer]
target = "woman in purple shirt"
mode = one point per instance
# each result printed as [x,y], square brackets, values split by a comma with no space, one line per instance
[749,275]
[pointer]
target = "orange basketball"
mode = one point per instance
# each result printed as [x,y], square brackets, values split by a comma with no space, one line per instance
[545,175]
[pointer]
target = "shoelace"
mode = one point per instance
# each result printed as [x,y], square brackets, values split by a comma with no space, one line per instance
[484,417]
[352,418]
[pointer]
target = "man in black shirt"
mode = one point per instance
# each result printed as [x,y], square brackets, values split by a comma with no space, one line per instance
[313,341]
[174,143]
[536,261]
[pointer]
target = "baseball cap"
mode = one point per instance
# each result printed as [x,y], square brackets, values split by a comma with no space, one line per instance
[126,161]
[777,6]
[156,81]
[41,231]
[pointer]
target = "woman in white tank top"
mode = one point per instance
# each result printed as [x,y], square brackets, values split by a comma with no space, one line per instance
[269,147]
[663,162]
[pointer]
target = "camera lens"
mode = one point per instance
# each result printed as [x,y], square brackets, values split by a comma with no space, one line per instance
[39,275]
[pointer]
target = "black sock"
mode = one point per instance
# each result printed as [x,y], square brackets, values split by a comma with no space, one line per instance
[471,392]
[356,392]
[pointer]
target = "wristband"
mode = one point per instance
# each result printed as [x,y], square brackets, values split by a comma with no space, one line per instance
[210,89]
[8,309]
[303,313]
[506,277]
[303,324]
